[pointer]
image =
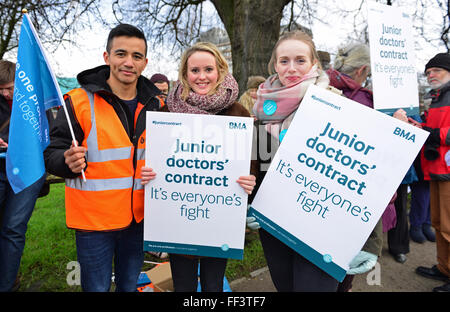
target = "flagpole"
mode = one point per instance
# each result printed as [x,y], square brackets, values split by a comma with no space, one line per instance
[61,99]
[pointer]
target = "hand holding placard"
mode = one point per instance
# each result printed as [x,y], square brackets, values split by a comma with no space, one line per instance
[337,176]
[198,184]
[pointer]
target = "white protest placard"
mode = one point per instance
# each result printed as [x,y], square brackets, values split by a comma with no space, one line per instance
[194,206]
[392,59]
[337,168]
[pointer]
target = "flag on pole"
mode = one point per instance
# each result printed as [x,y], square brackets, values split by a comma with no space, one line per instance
[35,91]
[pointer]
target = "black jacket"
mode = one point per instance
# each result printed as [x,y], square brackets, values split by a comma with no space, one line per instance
[94,80]
[5,114]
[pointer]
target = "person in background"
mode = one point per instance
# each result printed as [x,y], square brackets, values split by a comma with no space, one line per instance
[294,66]
[15,209]
[205,86]
[108,118]
[324,58]
[435,160]
[248,98]
[163,84]
[419,214]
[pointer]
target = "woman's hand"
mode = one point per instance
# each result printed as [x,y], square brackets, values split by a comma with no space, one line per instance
[247,183]
[147,174]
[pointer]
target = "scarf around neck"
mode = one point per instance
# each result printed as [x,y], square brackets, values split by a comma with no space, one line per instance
[286,98]
[225,95]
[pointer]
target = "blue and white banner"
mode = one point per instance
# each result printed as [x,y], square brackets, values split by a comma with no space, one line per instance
[333,175]
[35,91]
[194,206]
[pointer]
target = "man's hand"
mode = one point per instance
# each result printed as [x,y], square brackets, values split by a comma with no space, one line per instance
[147,174]
[75,158]
[414,123]
[400,114]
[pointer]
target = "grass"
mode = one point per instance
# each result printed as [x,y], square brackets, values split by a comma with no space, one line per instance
[253,258]
[50,249]
[49,246]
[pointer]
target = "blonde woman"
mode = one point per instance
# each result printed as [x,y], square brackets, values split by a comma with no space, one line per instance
[205,86]
[294,66]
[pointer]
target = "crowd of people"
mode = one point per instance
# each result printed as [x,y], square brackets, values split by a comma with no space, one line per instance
[108,117]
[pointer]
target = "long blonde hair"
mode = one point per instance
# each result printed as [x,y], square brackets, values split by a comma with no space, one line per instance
[221,63]
[294,35]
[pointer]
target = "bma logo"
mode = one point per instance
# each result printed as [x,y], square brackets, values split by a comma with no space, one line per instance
[403,134]
[237,125]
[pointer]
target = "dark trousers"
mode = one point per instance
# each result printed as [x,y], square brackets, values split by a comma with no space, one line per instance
[419,213]
[346,284]
[185,273]
[292,272]
[398,237]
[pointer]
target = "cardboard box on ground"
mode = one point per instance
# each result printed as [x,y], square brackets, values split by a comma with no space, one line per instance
[161,277]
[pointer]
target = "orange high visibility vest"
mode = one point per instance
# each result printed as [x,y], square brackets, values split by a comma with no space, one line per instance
[112,193]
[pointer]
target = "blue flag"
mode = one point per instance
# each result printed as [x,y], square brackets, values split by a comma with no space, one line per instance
[35,91]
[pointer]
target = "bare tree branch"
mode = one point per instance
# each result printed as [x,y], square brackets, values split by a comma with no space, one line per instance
[53,20]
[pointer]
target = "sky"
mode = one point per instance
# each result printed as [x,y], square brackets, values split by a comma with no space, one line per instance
[87,52]
[69,60]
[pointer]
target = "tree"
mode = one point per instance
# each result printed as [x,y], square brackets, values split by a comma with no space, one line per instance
[253,26]
[53,20]
[430,19]
[433,26]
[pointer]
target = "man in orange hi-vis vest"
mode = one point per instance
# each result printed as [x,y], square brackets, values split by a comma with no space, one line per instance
[107,114]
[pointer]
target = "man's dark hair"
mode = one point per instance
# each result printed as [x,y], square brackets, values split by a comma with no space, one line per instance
[126,30]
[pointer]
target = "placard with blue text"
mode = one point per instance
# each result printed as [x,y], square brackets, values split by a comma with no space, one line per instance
[392,58]
[335,172]
[194,206]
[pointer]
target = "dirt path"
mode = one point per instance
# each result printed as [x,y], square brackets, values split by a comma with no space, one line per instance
[394,276]
[388,276]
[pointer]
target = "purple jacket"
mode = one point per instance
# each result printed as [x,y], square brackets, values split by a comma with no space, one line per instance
[353,90]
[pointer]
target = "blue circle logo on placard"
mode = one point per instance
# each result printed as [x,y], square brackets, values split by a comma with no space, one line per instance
[225,247]
[327,258]
[282,134]
[269,107]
